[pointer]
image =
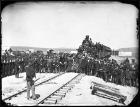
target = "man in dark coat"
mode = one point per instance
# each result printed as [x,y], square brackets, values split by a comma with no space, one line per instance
[70,64]
[3,68]
[134,73]
[83,65]
[30,74]
[96,67]
[92,67]
[16,68]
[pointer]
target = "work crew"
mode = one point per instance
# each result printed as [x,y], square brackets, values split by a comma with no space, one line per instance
[90,64]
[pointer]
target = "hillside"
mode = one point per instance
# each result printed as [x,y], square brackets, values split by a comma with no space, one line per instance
[24,48]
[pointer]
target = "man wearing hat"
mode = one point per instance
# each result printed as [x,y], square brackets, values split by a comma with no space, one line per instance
[30,74]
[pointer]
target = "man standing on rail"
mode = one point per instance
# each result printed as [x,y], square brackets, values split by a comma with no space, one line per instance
[30,74]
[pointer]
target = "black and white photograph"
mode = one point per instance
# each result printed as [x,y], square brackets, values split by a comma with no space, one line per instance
[69,53]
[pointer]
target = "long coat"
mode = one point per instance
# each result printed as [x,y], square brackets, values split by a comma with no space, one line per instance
[30,73]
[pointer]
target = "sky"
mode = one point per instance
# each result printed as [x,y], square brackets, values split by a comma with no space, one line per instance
[65,24]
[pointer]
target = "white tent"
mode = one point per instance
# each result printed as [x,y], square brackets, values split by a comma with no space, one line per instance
[73,52]
[31,50]
[125,53]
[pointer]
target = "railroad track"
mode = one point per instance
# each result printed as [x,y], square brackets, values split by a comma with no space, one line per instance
[20,92]
[60,92]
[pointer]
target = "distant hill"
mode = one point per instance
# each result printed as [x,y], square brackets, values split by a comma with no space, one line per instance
[25,48]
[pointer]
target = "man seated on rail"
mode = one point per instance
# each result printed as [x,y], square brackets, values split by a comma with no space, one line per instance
[30,74]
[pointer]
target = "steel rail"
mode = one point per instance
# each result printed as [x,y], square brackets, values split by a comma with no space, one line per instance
[18,93]
[40,102]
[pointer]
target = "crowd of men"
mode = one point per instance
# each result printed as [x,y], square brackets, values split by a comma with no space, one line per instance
[125,73]
[52,63]
[84,61]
